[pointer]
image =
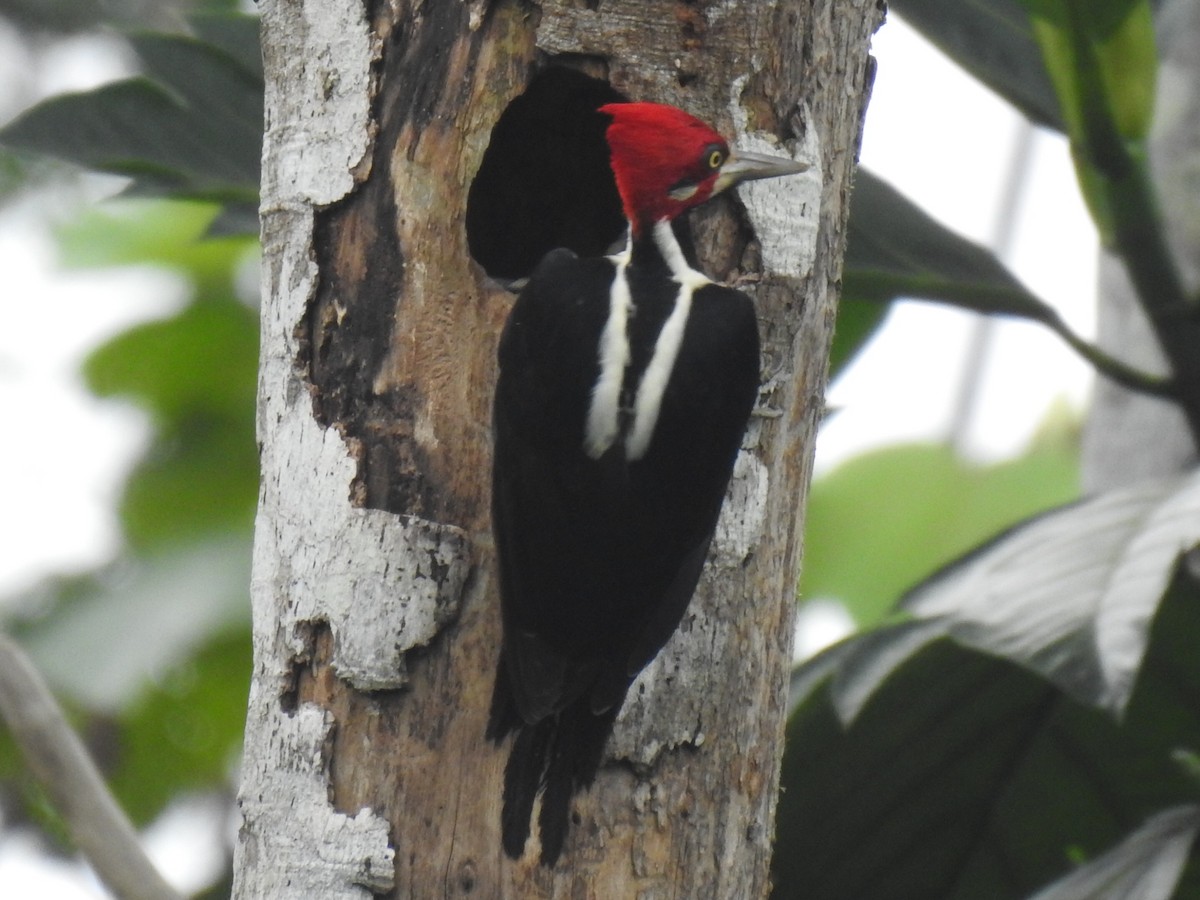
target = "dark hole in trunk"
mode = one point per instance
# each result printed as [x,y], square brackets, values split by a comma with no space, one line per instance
[545,181]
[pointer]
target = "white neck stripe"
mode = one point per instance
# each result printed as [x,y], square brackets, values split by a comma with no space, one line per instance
[666,348]
[604,413]
[668,246]
[603,423]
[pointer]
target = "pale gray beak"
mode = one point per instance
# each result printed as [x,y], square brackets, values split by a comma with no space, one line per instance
[742,166]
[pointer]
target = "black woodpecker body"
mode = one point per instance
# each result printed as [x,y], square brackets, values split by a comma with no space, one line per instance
[624,390]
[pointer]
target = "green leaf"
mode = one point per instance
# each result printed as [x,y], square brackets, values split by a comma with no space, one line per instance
[1071,594]
[1103,62]
[889,807]
[1146,865]
[193,128]
[1101,56]
[966,777]
[52,15]
[199,479]
[196,373]
[116,128]
[223,97]
[203,359]
[185,733]
[937,506]
[102,644]
[72,15]
[894,249]
[1068,594]
[171,234]
[857,322]
[233,33]
[993,40]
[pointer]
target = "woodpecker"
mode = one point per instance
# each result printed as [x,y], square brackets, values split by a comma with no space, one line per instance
[625,386]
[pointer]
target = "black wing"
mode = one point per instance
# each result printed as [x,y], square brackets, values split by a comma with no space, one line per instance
[541,479]
[598,558]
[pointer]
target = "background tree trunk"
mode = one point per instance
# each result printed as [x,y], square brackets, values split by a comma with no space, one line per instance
[375,612]
[1129,436]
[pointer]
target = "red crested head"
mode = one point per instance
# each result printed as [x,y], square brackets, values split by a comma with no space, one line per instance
[666,161]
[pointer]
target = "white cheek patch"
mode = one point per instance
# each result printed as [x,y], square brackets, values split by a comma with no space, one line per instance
[603,420]
[684,192]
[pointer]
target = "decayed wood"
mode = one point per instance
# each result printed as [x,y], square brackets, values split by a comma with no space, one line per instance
[376,621]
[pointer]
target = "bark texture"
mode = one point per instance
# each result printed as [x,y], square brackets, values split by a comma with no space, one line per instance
[376,616]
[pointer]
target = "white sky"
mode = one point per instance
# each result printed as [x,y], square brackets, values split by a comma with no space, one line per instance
[947,142]
[64,455]
[940,138]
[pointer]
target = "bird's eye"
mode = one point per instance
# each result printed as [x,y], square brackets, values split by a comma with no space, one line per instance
[715,158]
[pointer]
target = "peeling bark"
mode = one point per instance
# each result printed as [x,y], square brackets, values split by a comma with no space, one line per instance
[376,619]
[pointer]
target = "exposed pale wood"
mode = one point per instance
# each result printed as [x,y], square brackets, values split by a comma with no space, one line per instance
[292,843]
[373,559]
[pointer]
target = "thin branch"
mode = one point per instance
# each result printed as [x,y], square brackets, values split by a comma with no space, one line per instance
[1003,300]
[61,764]
[1124,375]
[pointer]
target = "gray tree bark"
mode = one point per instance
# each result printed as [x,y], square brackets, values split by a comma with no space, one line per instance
[1130,436]
[375,611]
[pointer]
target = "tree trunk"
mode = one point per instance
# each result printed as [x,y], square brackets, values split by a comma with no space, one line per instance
[375,611]
[1130,436]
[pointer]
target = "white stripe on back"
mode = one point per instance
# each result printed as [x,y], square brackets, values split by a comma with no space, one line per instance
[604,414]
[603,422]
[666,348]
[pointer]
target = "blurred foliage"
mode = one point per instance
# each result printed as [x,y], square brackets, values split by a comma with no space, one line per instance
[1092,75]
[961,746]
[13,174]
[992,40]
[185,733]
[1103,64]
[880,522]
[963,775]
[188,126]
[194,373]
[896,250]
[153,652]
[857,322]
[71,16]
[1068,594]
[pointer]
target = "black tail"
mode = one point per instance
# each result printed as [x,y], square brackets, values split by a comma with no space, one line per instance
[558,756]
[522,780]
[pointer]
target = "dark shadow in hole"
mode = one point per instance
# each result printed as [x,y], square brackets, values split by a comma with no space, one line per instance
[545,181]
